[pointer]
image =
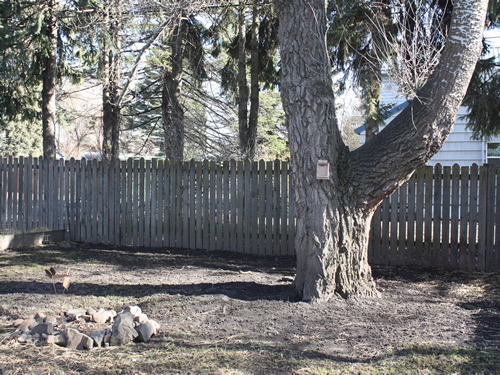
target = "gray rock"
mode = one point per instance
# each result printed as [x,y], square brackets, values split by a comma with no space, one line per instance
[26,325]
[78,340]
[42,328]
[145,331]
[99,337]
[57,340]
[123,330]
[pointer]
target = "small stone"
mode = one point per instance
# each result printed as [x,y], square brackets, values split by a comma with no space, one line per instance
[141,318]
[145,332]
[107,338]
[86,317]
[78,340]
[57,339]
[155,324]
[36,336]
[102,316]
[24,338]
[75,314]
[42,328]
[91,311]
[17,322]
[39,315]
[51,319]
[134,310]
[123,330]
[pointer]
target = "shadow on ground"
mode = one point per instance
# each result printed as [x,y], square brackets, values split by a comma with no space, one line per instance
[245,291]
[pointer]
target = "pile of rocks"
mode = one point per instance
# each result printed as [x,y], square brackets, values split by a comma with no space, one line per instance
[131,324]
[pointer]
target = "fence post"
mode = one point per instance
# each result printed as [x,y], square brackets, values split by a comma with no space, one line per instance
[483,219]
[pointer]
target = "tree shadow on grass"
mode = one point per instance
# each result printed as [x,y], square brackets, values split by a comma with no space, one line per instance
[127,258]
[245,291]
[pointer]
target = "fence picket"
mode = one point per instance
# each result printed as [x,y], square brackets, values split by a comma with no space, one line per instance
[483,222]
[226,206]
[402,219]
[485,260]
[141,225]
[147,205]
[445,236]
[212,221]
[233,188]
[455,199]
[437,215]
[428,216]
[464,213]
[473,215]
[393,252]
[254,208]
[192,205]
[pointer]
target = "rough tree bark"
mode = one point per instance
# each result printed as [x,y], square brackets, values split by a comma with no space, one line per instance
[242,80]
[254,84]
[172,112]
[49,87]
[333,216]
[112,78]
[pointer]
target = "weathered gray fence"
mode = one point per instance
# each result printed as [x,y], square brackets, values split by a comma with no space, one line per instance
[237,206]
[443,217]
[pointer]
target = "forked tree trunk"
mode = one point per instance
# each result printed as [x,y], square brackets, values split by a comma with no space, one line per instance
[172,112]
[49,87]
[333,216]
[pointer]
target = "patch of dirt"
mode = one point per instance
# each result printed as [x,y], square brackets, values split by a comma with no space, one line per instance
[215,297]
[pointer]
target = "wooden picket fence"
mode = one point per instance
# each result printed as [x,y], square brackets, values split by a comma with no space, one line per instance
[236,206]
[442,216]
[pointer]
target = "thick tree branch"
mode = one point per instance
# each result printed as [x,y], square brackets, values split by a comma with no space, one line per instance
[384,163]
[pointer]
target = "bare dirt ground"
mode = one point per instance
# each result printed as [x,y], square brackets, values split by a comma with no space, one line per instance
[230,313]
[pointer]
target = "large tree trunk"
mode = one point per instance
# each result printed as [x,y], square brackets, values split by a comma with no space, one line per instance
[333,216]
[254,84]
[49,87]
[172,112]
[242,80]
[112,78]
